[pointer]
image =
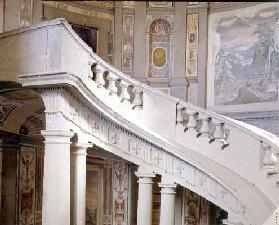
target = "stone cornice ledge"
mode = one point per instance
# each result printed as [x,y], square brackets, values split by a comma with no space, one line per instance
[82,91]
[71,80]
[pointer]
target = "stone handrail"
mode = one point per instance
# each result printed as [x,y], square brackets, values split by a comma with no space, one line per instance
[240,155]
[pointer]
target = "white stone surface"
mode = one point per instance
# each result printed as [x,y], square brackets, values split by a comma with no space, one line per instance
[167,213]
[56,182]
[79,182]
[144,210]
[232,178]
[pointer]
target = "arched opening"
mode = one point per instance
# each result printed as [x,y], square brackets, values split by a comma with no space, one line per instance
[21,155]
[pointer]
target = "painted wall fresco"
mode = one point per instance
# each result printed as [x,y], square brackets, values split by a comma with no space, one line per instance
[196,209]
[27,169]
[244,55]
[192,45]
[22,180]
[159,35]
[120,193]
[5,111]
[127,44]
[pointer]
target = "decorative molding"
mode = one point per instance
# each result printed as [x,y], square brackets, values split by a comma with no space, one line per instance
[165,90]
[80,11]
[160,4]
[268,120]
[128,4]
[192,45]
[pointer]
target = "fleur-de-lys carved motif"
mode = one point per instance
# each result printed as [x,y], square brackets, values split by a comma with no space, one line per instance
[95,127]
[73,112]
[157,158]
[201,180]
[137,149]
[179,169]
[114,138]
[223,193]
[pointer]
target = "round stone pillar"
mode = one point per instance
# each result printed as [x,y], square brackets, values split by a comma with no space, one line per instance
[144,211]
[79,182]
[56,181]
[167,213]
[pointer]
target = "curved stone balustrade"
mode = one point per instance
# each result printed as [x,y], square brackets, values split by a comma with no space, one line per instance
[167,135]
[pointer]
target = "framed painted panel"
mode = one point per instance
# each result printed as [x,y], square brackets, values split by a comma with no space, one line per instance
[159,51]
[192,45]
[127,44]
[27,181]
[26,12]
[243,56]
[120,193]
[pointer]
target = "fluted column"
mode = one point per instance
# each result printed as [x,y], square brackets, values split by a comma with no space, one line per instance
[79,182]
[167,213]
[56,181]
[144,211]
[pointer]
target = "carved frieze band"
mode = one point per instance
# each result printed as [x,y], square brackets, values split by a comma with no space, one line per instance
[139,150]
[192,41]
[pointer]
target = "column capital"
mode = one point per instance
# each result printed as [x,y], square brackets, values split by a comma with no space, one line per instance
[145,177]
[230,222]
[57,136]
[80,148]
[144,174]
[167,188]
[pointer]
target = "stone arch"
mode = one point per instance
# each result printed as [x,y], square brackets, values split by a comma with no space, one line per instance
[21,107]
[35,123]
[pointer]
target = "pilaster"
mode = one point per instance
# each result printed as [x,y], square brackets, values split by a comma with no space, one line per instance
[139,42]
[117,34]
[202,62]
[178,80]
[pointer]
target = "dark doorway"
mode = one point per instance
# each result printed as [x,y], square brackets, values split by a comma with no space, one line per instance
[87,34]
